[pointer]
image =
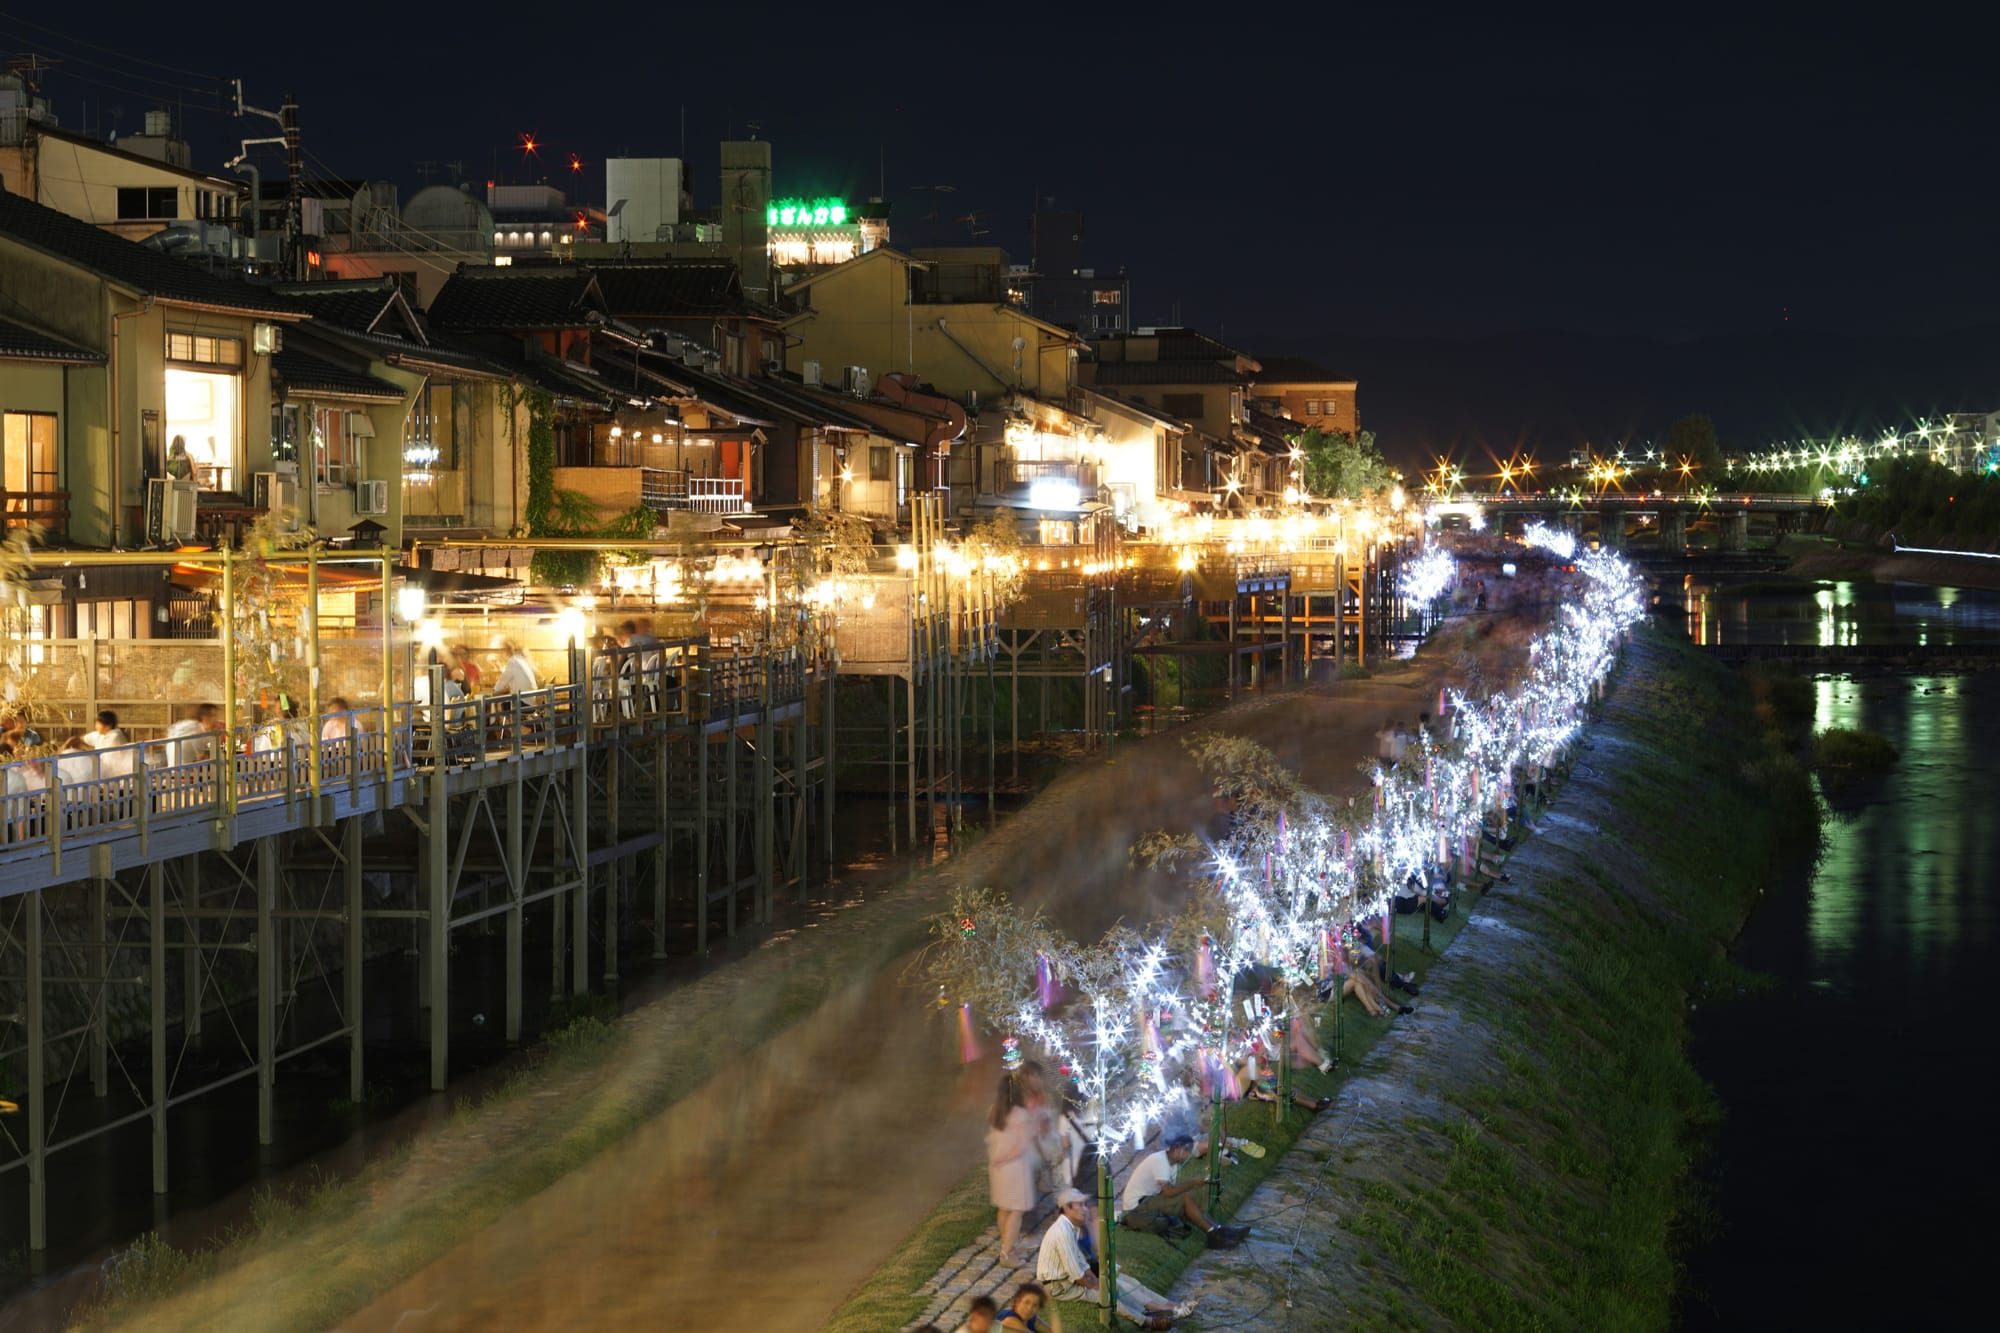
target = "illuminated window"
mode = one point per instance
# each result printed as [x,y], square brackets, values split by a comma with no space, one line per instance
[336,446]
[1312,407]
[27,465]
[204,436]
[1110,296]
[200,349]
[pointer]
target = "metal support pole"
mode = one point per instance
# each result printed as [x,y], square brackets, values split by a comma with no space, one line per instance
[663,854]
[225,753]
[613,870]
[191,961]
[827,757]
[437,925]
[350,981]
[100,998]
[267,986]
[767,795]
[701,843]
[992,739]
[38,1079]
[580,896]
[731,834]
[156,988]
[910,748]
[517,885]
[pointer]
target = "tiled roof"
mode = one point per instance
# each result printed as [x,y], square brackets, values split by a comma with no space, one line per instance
[18,342]
[1181,345]
[133,266]
[1295,370]
[1135,406]
[1167,372]
[478,298]
[303,373]
[563,379]
[671,290]
[351,305]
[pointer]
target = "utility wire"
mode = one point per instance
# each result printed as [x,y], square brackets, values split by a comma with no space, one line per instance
[121,55]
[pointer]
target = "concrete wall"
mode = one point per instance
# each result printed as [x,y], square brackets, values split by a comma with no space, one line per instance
[1344,414]
[862,316]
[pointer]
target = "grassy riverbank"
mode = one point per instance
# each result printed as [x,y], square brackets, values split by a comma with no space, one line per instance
[890,1300]
[1554,1192]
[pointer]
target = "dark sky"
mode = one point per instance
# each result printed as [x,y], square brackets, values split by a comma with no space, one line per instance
[1272,174]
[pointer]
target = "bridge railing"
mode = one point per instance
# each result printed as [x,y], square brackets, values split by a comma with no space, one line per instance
[1640,499]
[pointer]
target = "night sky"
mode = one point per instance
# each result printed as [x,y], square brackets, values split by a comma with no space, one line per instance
[1408,194]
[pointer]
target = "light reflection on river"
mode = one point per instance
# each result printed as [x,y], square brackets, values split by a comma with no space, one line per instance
[1843,615]
[1854,1170]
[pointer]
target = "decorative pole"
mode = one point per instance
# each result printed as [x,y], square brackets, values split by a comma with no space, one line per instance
[1215,1139]
[1107,1287]
[1282,1026]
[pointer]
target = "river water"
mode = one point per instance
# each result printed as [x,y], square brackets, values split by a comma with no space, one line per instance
[1851,1176]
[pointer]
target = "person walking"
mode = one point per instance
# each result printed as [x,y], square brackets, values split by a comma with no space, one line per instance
[1011,1158]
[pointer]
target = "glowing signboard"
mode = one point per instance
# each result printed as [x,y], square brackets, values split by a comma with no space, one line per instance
[806,213]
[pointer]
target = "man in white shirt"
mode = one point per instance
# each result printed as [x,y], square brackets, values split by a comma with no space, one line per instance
[1067,1267]
[518,675]
[108,736]
[1152,1191]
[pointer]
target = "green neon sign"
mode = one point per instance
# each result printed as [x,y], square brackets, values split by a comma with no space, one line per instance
[806,213]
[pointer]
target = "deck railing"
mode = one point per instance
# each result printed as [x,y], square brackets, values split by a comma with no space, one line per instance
[73,799]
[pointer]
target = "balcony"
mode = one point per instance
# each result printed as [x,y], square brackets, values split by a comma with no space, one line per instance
[35,509]
[1054,483]
[619,490]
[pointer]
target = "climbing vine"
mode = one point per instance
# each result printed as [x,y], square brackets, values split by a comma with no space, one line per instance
[541,463]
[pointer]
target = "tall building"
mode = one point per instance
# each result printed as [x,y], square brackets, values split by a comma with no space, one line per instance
[1059,288]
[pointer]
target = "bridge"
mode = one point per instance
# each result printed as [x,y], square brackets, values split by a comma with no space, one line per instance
[1671,511]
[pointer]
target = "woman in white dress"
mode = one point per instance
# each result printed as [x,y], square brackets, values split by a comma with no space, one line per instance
[1011,1159]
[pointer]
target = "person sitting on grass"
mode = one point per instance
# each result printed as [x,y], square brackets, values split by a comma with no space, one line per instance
[1361,984]
[1259,1080]
[1367,948]
[981,1317]
[1024,1311]
[1068,1268]
[1152,1192]
[1412,896]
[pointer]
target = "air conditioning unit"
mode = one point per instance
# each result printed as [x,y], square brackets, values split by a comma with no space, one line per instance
[274,490]
[857,381]
[266,339]
[810,373]
[170,506]
[371,497]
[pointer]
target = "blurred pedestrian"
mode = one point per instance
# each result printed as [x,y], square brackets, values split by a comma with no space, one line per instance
[1011,1158]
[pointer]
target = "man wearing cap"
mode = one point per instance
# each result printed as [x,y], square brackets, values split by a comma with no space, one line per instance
[1152,1191]
[1067,1267]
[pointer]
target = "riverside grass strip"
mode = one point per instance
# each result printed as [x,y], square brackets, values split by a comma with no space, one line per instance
[1544,1181]
[889,1299]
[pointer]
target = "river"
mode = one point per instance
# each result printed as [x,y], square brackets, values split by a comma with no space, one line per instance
[1850,1176]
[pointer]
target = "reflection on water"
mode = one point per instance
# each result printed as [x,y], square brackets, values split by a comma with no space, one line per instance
[1844,615]
[1857,1087]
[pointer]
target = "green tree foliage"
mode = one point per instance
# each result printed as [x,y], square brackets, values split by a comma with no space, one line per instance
[1922,501]
[1339,466]
[1693,437]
